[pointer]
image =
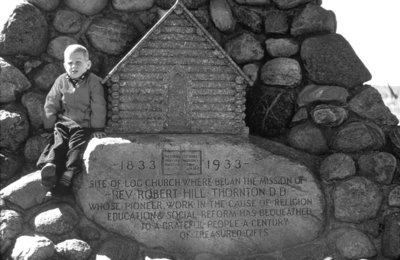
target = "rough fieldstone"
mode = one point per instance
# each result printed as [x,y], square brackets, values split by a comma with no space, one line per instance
[25,32]
[135,5]
[309,138]
[208,256]
[337,166]
[12,82]
[311,161]
[331,249]
[369,104]
[14,129]
[352,243]
[74,249]
[146,19]
[251,71]
[248,17]
[33,247]
[66,21]
[276,22]
[86,7]
[269,110]
[157,255]
[59,220]
[244,49]
[26,192]
[102,154]
[259,257]
[8,92]
[57,46]
[301,115]
[371,227]
[31,64]
[45,76]
[330,59]
[281,47]
[9,165]
[89,233]
[394,197]
[356,199]
[111,35]
[391,236]
[10,226]
[222,16]
[379,166]
[313,19]
[394,137]
[190,4]
[314,93]
[329,115]
[312,251]
[216,34]
[254,2]
[45,4]
[357,137]
[203,16]
[34,147]
[287,4]
[117,249]
[281,72]
[34,102]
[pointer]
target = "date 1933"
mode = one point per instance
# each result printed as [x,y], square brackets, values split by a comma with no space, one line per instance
[227,164]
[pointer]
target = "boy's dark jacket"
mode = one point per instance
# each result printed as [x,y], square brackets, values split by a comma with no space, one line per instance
[83,102]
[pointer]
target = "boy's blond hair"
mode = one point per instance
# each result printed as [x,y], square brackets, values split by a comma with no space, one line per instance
[76,48]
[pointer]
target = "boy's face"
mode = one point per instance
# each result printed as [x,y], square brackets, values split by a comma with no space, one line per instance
[76,64]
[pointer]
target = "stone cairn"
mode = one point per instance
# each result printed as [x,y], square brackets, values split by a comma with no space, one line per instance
[309,94]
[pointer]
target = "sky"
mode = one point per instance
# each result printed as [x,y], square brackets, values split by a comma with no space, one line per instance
[371,27]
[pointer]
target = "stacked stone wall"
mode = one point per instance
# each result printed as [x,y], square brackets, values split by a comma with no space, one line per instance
[309,93]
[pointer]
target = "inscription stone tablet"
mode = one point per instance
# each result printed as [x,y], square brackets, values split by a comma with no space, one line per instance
[199,194]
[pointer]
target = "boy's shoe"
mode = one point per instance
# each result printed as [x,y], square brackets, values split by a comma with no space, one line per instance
[61,190]
[63,186]
[66,178]
[48,173]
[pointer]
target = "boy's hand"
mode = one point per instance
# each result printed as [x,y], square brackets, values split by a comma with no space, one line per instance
[47,133]
[47,136]
[99,134]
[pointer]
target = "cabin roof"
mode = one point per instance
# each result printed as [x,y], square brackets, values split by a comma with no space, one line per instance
[179,7]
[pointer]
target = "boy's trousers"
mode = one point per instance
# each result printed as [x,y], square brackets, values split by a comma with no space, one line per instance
[66,147]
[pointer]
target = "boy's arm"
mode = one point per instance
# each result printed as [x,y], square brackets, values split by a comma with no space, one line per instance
[52,106]
[98,107]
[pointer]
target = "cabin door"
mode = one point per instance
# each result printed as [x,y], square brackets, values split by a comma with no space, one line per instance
[177,118]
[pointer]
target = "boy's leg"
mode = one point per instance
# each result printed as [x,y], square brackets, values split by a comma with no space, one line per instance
[48,174]
[51,157]
[77,143]
[46,164]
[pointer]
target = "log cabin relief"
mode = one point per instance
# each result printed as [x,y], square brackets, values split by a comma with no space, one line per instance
[176,79]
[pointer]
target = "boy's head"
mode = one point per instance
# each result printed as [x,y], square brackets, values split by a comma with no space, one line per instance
[76,60]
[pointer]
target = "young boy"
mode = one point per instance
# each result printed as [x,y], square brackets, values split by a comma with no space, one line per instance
[75,110]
